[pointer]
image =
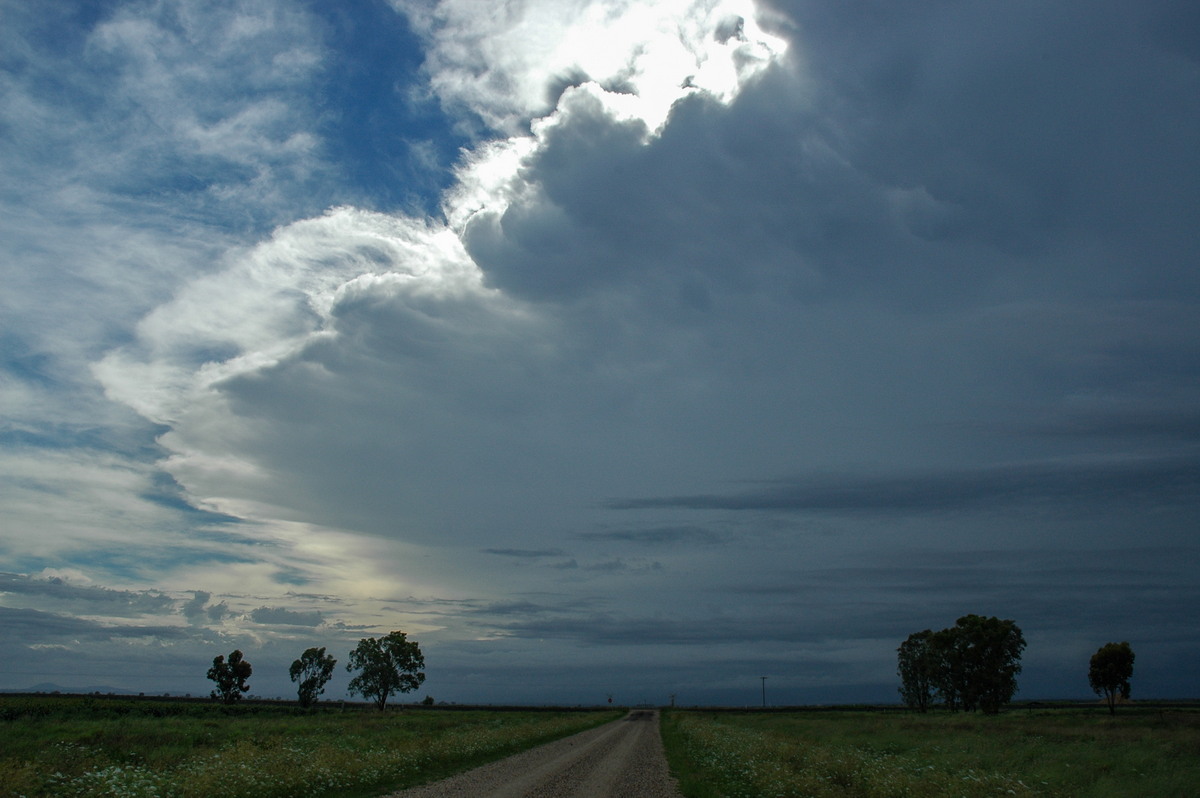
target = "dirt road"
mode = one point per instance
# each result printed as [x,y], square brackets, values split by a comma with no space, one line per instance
[622,759]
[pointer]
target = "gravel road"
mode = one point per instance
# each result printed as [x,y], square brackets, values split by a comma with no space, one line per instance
[622,759]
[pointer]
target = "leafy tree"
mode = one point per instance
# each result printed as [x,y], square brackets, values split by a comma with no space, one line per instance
[946,663]
[990,651]
[972,665]
[312,670]
[1109,672]
[916,665]
[230,677]
[389,664]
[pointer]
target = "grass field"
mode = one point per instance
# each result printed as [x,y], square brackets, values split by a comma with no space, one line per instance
[78,746]
[1058,752]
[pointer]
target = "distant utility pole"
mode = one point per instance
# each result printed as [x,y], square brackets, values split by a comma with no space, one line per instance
[764,686]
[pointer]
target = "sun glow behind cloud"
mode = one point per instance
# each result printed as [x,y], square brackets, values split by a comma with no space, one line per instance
[502,63]
[278,298]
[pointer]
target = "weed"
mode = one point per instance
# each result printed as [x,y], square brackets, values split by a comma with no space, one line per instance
[1059,753]
[60,747]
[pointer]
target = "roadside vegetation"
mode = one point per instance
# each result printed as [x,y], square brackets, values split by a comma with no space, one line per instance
[80,747]
[1051,752]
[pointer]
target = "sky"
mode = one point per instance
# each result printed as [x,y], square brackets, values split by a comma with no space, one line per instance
[607,348]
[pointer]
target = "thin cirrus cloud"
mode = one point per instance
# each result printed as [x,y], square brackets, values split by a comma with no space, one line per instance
[709,336]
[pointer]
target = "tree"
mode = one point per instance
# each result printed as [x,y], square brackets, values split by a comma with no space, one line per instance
[916,664]
[972,665]
[230,677]
[946,663]
[1109,672]
[389,664]
[312,670]
[990,652]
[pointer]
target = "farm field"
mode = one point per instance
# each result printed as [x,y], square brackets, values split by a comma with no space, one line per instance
[82,746]
[1054,752]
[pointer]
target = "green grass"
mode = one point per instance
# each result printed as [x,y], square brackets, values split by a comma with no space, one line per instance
[75,746]
[1060,752]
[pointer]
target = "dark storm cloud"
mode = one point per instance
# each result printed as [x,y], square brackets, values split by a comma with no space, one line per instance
[194,610]
[197,609]
[912,163]
[1028,118]
[610,629]
[561,604]
[514,608]
[85,598]
[1046,587]
[279,616]
[684,215]
[794,622]
[526,554]
[658,536]
[1136,481]
[905,328]
[619,565]
[1046,591]
[1171,424]
[35,626]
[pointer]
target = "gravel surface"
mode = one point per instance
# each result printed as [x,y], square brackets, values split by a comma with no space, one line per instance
[622,759]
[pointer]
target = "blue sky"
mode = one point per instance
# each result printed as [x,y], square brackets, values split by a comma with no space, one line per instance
[605,348]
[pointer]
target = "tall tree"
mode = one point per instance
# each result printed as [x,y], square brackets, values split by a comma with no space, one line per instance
[1109,672]
[389,664]
[312,671]
[230,677]
[972,665]
[989,652]
[946,664]
[916,665]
